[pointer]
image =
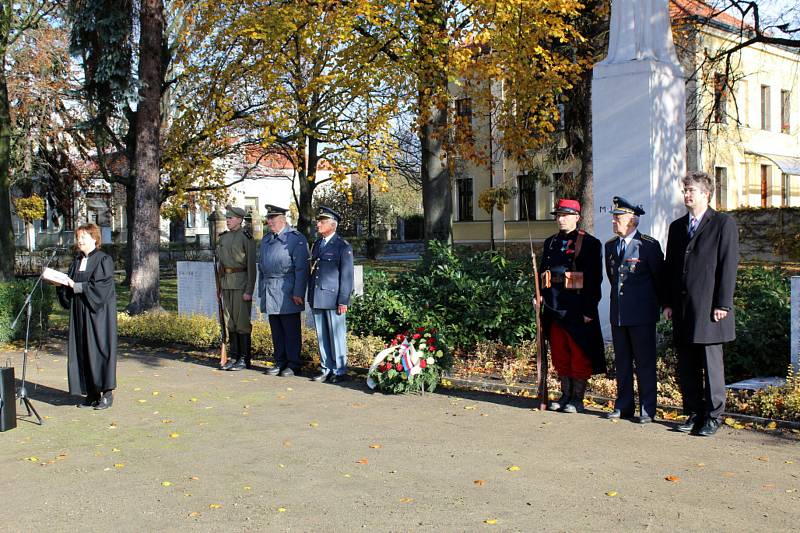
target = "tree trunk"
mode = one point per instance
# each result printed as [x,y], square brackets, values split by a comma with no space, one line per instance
[308,167]
[436,188]
[144,250]
[130,207]
[7,248]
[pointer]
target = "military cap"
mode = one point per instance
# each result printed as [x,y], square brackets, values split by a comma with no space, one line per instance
[567,207]
[233,211]
[623,206]
[274,210]
[327,212]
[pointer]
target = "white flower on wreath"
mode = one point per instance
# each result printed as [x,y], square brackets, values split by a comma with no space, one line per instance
[430,360]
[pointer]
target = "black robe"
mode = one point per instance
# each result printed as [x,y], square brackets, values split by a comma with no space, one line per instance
[92,304]
[568,307]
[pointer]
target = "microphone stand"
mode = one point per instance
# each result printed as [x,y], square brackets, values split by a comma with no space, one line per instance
[22,392]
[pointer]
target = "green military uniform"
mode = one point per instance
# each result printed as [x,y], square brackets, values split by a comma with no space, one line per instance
[236,254]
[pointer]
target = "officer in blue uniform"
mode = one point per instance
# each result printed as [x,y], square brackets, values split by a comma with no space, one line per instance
[282,281]
[634,266]
[329,291]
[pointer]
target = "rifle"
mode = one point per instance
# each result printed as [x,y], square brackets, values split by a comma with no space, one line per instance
[223,328]
[541,350]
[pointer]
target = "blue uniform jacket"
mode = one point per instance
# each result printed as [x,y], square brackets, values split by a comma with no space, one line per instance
[331,274]
[636,280]
[282,272]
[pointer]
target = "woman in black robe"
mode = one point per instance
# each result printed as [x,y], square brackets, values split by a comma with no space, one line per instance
[91,299]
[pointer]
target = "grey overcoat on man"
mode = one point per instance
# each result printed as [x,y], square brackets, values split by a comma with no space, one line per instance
[701,276]
[282,271]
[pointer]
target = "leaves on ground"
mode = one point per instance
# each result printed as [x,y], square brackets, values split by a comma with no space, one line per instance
[611,493]
[406,500]
[214,506]
[479,482]
[166,483]
[512,468]
[363,461]
[375,446]
[174,435]
[672,478]
[314,424]
[281,509]
[490,521]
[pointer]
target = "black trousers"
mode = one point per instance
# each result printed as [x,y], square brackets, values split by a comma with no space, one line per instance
[635,344]
[701,375]
[286,340]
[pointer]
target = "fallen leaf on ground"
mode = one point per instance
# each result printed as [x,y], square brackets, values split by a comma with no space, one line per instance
[763,458]
[155,393]
[730,421]
[166,421]
[174,435]
[192,399]
[314,424]
[166,483]
[375,446]
[214,506]
[729,474]
[672,478]
[346,475]
[789,462]
[289,389]
[772,425]
[469,407]
[281,509]
[512,468]
[287,444]
[194,478]
[479,482]
[362,461]
[701,465]
[119,465]
[115,450]
[281,466]
[142,401]
[406,500]
[137,389]
[281,397]
[490,521]
[247,488]
[611,493]
[194,514]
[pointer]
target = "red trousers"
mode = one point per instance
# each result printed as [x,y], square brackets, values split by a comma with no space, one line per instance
[567,356]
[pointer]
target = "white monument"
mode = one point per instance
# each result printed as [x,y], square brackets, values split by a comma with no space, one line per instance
[794,346]
[638,123]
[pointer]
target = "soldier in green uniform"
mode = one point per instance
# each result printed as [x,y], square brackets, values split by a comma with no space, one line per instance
[236,254]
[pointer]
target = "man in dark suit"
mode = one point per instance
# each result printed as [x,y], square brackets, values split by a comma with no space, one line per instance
[634,265]
[329,290]
[702,258]
[572,273]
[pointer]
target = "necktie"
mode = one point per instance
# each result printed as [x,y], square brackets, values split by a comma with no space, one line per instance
[692,227]
[621,248]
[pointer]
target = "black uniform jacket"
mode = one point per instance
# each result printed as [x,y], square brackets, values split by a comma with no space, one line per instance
[636,280]
[701,276]
[569,306]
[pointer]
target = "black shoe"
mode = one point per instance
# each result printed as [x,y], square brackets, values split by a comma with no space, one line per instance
[322,376]
[692,422]
[274,371]
[339,378]
[709,428]
[287,373]
[616,414]
[238,365]
[105,402]
[89,401]
[229,364]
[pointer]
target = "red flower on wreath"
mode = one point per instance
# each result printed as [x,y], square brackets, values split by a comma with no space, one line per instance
[417,336]
[423,363]
[398,367]
[431,348]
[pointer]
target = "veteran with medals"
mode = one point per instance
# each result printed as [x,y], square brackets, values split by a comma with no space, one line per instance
[572,272]
[329,290]
[282,281]
[634,266]
[236,254]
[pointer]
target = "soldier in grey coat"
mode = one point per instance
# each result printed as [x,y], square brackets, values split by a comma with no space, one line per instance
[282,281]
[329,295]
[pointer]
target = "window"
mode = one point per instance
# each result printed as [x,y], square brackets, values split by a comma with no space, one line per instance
[743,103]
[464,118]
[720,98]
[196,218]
[527,197]
[765,119]
[464,199]
[786,190]
[721,186]
[786,111]
[765,172]
[745,183]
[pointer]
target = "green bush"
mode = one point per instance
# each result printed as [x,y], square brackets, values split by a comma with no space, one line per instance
[200,331]
[466,296]
[12,297]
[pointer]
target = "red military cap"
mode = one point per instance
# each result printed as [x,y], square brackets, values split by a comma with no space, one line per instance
[567,207]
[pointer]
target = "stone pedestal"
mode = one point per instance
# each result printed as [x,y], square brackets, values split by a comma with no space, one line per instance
[639,146]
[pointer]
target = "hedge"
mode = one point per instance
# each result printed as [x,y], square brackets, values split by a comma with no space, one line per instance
[12,298]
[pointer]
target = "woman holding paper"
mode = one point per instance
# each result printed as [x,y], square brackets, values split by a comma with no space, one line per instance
[90,296]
